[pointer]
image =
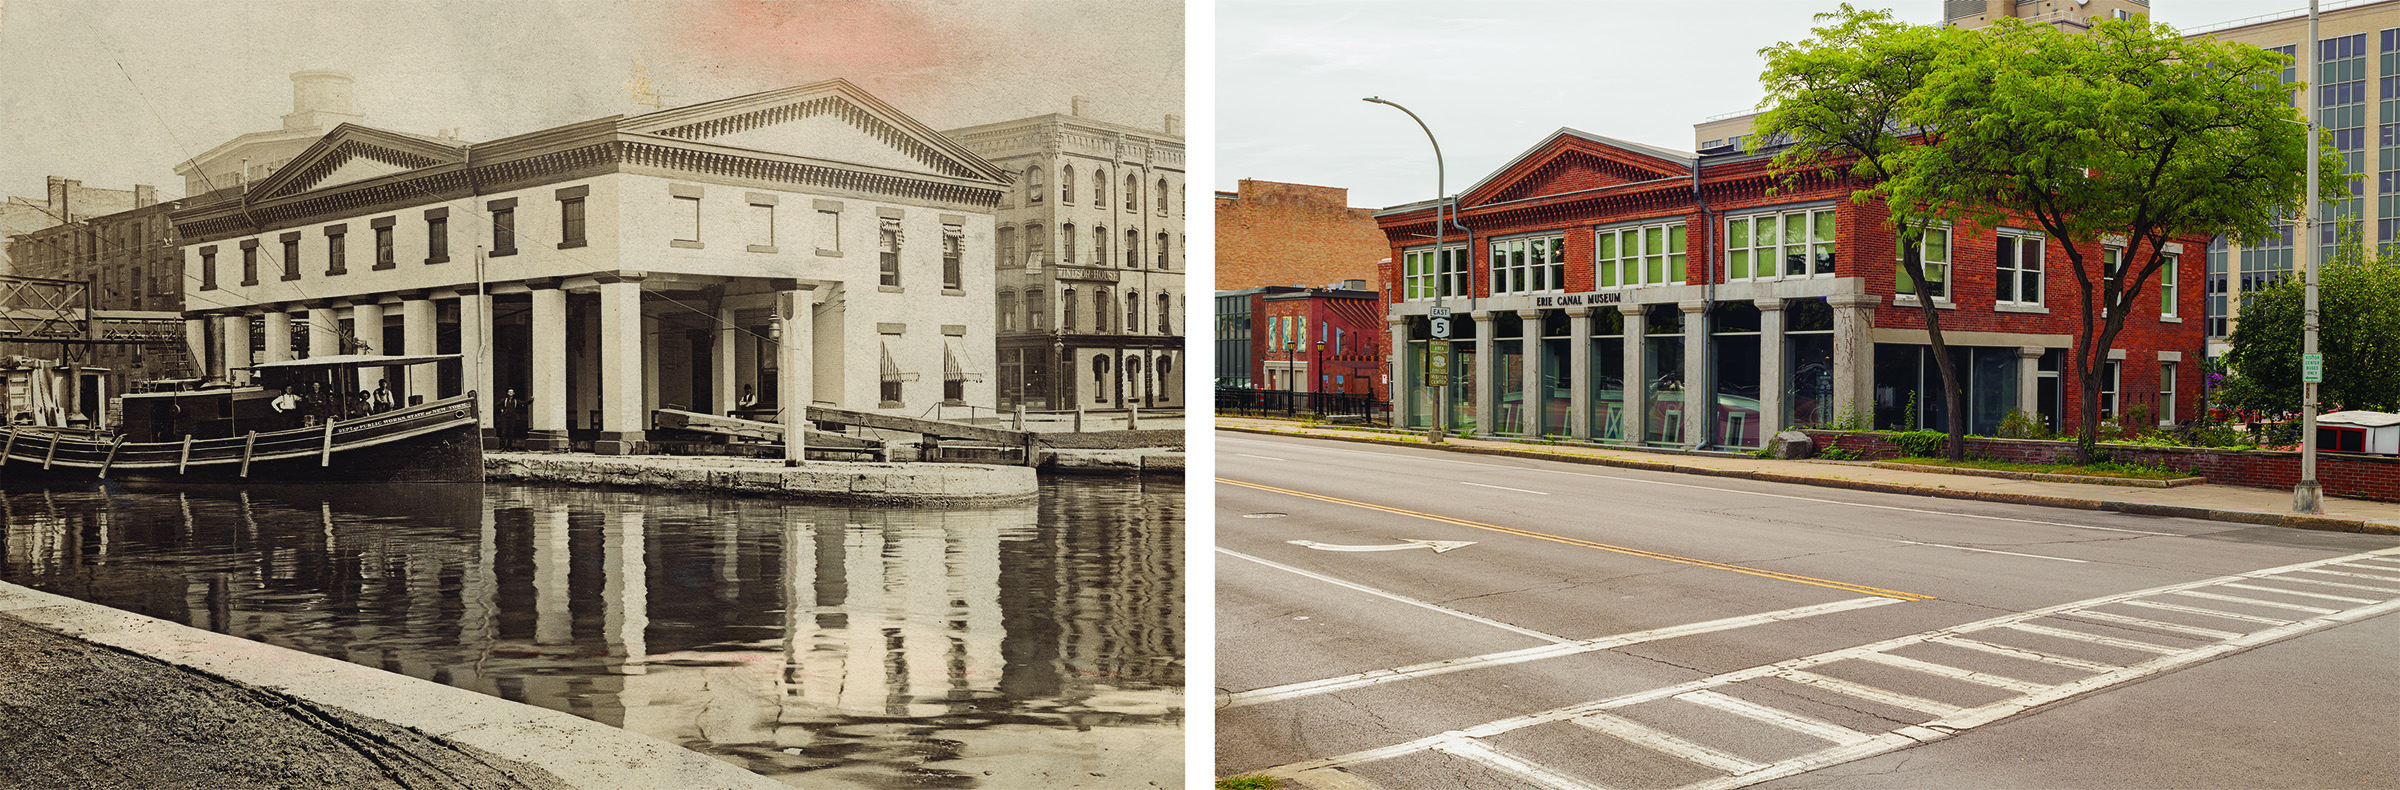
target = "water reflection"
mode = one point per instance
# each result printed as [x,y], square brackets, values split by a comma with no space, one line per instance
[873,646]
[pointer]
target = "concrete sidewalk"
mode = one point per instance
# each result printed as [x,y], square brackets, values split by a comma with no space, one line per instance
[2206,501]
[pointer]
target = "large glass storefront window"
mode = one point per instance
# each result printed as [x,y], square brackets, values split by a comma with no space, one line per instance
[1734,331]
[1508,341]
[1558,394]
[1662,374]
[1462,377]
[1808,363]
[1608,375]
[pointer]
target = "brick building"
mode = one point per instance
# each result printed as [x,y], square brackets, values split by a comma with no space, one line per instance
[1619,292]
[1327,340]
[1272,233]
[134,271]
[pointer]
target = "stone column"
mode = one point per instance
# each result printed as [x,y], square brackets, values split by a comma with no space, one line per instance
[621,361]
[324,331]
[1487,357]
[2029,377]
[417,339]
[553,605]
[1771,374]
[724,362]
[1401,390]
[475,354]
[1529,340]
[1579,372]
[366,319]
[795,381]
[547,422]
[625,590]
[653,368]
[1854,354]
[745,363]
[1699,399]
[278,332]
[236,335]
[195,342]
[1634,423]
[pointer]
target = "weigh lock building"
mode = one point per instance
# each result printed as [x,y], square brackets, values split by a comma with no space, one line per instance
[615,266]
[1611,291]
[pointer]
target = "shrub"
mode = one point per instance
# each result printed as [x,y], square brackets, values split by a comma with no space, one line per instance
[1837,454]
[1922,444]
[2139,418]
[2021,424]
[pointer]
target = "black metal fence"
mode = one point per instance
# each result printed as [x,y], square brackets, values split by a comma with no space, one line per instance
[1345,407]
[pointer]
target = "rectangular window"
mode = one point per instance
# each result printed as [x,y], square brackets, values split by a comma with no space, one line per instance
[761,227]
[571,232]
[687,219]
[1643,255]
[2108,389]
[437,235]
[291,256]
[208,268]
[887,250]
[1529,265]
[250,262]
[1780,245]
[1423,277]
[953,256]
[504,231]
[383,243]
[337,250]
[2167,278]
[2019,276]
[829,231]
[1933,250]
[2166,394]
[2112,264]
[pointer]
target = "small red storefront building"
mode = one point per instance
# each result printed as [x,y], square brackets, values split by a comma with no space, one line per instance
[1616,292]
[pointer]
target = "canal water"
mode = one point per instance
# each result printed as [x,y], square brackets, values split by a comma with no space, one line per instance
[1034,645]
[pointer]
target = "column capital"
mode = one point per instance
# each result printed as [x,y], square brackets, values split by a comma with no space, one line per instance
[2030,352]
[1842,301]
[1631,309]
[1768,303]
[1582,311]
[1529,314]
[1692,305]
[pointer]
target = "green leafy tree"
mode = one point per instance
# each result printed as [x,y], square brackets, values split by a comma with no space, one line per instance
[2358,302]
[2128,130]
[1843,101]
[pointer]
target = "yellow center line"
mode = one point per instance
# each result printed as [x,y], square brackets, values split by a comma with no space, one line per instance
[1776,575]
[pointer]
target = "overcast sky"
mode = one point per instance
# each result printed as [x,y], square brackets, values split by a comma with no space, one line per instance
[116,92]
[1494,77]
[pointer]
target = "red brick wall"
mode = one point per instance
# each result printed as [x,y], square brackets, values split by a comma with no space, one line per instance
[1293,234]
[2375,477]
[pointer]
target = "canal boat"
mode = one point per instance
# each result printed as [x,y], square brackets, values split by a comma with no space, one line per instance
[298,421]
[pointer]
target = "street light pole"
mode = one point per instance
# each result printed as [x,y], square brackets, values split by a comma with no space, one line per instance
[2308,496]
[1441,394]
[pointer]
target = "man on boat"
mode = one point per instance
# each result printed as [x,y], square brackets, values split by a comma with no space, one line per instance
[383,396]
[287,408]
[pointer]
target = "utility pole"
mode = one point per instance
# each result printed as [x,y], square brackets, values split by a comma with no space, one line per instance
[2308,496]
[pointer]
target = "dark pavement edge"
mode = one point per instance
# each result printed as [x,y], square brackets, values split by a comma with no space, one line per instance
[2287,520]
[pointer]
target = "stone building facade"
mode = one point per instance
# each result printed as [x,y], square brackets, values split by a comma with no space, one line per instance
[1618,292]
[1090,264]
[624,264]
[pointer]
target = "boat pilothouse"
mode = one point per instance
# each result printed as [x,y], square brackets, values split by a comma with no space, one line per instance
[298,421]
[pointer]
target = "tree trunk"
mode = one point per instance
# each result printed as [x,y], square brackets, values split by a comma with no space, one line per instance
[1941,350]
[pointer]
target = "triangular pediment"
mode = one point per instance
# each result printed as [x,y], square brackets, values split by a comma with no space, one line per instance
[832,120]
[352,153]
[1571,161]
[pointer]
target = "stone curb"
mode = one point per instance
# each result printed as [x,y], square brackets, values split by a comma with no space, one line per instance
[578,751]
[2290,520]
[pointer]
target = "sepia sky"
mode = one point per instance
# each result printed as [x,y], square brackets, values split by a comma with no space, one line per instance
[1493,78]
[117,92]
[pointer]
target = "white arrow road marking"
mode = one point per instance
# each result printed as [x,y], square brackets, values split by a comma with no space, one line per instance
[1438,546]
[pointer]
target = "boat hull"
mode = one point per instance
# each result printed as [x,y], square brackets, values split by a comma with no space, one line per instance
[439,442]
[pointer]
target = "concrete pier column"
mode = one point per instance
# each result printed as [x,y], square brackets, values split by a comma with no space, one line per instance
[553,611]
[475,354]
[1579,372]
[795,384]
[745,365]
[1772,378]
[366,323]
[546,423]
[195,342]
[324,331]
[277,331]
[654,368]
[621,389]
[1634,422]
[1532,403]
[417,339]
[1854,355]
[725,383]
[1400,389]
[625,591]
[1487,360]
[235,331]
[2029,379]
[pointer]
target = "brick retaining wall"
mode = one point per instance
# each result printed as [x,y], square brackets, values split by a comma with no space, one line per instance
[2375,477]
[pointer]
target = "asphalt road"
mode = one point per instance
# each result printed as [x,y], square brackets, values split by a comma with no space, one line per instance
[1390,617]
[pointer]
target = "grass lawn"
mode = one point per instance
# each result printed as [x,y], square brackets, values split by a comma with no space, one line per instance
[2129,471]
